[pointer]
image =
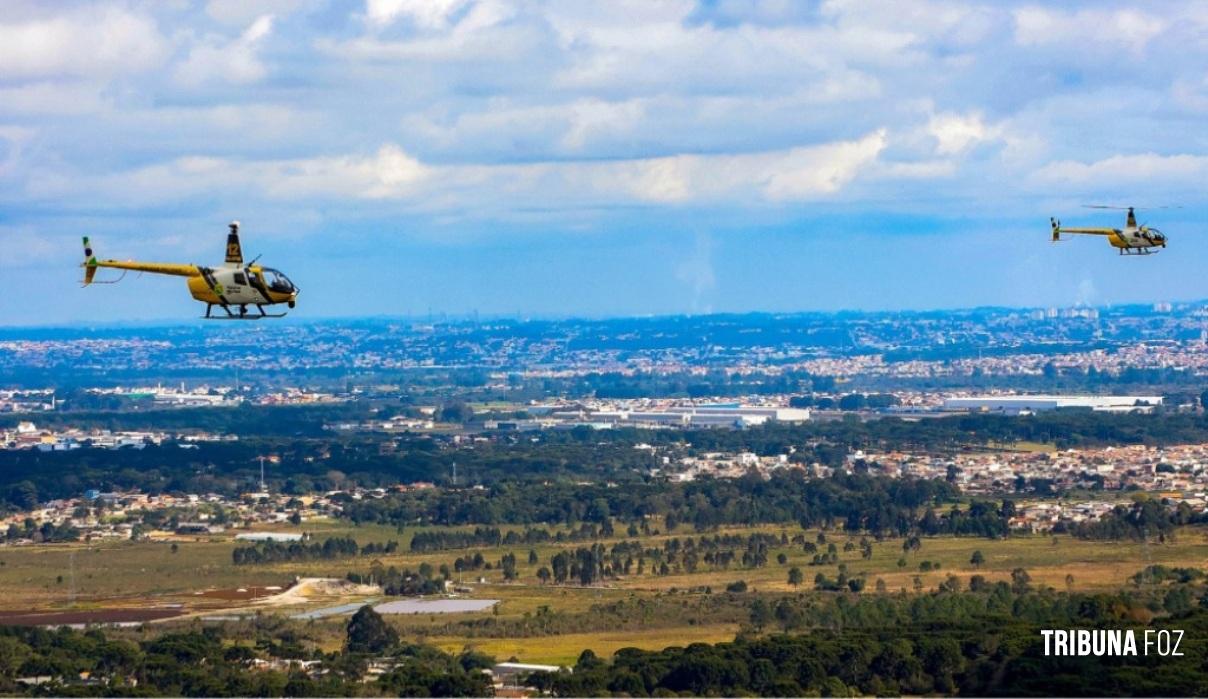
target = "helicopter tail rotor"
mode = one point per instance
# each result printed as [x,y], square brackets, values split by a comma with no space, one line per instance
[89,262]
[1056,229]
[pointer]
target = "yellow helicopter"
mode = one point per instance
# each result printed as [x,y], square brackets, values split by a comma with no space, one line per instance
[1130,240]
[234,285]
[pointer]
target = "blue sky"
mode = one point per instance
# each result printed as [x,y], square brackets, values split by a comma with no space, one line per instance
[586,158]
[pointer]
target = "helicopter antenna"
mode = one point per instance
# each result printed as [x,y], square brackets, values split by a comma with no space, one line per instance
[111,281]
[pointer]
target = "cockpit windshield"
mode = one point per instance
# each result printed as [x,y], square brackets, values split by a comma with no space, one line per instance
[278,281]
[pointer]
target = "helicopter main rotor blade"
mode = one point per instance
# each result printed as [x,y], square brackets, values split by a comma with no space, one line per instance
[1126,208]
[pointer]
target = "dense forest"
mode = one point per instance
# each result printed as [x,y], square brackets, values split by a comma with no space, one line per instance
[860,503]
[964,660]
[272,660]
[984,643]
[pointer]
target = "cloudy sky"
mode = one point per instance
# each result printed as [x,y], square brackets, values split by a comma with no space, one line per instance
[601,158]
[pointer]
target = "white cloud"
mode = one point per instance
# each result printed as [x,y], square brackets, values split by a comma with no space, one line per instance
[240,13]
[428,14]
[12,141]
[592,117]
[797,174]
[52,98]
[1086,30]
[1144,178]
[28,248]
[569,127]
[496,105]
[1144,166]
[956,133]
[91,42]
[805,173]
[918,170]
[389,173]
[236,61]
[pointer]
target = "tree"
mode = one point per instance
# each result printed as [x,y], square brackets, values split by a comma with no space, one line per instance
[796,577]
[852,401]
[807,400]
[977,559]
[761,613]
[787,614]
[1020,580]
[456,411]
[24,495]
[880,401]
[368,632]
[588,660]
[543,575]
[12,654]
[336,479]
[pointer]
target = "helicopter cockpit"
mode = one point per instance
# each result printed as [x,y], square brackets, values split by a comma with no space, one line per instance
[277,281]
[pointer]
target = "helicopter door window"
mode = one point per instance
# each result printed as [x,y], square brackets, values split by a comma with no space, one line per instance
[240,279]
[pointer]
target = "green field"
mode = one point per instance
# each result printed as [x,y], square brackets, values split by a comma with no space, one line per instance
[678,611]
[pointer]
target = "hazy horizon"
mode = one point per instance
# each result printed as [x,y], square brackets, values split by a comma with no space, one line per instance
[471,317]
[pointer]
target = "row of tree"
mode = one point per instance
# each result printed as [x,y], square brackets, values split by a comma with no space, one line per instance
[331,548]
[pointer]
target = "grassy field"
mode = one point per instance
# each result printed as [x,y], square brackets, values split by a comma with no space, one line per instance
[149,573]
[30,575]
[565,649]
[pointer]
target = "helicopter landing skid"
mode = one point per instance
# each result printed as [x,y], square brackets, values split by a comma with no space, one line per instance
[241,315]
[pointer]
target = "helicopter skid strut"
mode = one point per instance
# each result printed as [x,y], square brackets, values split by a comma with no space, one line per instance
[241,315]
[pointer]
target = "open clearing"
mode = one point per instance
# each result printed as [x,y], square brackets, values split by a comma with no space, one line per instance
[565,649]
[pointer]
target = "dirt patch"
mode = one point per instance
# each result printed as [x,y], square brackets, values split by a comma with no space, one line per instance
[306,589]
[89,616]
[240,594]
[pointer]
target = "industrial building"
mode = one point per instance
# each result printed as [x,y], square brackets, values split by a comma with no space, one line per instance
[1022,404]
[685,416]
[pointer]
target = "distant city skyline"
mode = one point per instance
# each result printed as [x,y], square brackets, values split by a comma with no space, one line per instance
[573,159]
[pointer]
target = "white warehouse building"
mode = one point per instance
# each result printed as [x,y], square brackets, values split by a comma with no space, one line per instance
[1016,404]
[689,416]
